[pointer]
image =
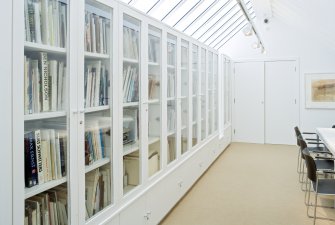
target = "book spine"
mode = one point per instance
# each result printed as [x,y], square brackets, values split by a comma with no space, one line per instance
[31,161]
[37,22]
[45,81]
[62,148]
[39,157]
[31,16]
[26,21]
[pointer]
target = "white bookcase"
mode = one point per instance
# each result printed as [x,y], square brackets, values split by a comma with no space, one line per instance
[109,102]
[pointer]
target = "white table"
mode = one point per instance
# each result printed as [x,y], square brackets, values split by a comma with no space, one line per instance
[327,135]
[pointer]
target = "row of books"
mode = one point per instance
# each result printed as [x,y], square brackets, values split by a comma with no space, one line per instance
[96,90]
[49,207]
[154,48]
[130,84]
[97,143]
[97,33]
[130,125]
[45,22]
[171,84]
[171,118]
[130,43]
[44,84]
[98,190]
[45,156]
[171,54]
[153,89]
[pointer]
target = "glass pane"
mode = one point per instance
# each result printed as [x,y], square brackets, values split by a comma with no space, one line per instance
[172,98]
[46,139]
[131,90]
[184,95]
[210,93]
[98,123]
[195,78]
[154,95]
[203,93]
[216,97]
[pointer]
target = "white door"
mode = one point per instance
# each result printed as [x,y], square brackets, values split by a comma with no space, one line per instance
[248,116]
[281,102]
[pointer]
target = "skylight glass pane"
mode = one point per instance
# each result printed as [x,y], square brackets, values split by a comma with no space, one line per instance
[125,1]
[180,11]
[229,10]
[227,31]
[143,5]
[194,14]
[221,5]
[163,8]
[222,26]
[229,34]
[229,37]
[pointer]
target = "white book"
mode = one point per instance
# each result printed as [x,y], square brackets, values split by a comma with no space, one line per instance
[35,79]
[93,35]
[51,23]
[97,83]
[60,85]
[55,13]
[45,81]
[101,36]
[37,22]
[64,90]
[53,77]
[93,75]
[53,154]
[45,136]
[26,85]
[45,21]
[89,86]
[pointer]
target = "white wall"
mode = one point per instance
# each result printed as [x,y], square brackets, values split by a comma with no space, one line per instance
[283,41]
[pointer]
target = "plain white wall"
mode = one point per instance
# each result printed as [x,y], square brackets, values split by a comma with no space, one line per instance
[286,42]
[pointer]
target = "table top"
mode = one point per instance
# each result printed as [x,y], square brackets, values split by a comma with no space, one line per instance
[327,135]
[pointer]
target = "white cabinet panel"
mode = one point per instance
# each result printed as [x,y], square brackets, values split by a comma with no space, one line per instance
[134,214]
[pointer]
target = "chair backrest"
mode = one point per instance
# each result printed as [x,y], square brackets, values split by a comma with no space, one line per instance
[310,165]
[303,146]
[297,134]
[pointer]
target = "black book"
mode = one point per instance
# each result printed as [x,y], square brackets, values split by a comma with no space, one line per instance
[62,146]
[31,176]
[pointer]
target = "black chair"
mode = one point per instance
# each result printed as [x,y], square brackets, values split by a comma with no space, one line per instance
[321,186]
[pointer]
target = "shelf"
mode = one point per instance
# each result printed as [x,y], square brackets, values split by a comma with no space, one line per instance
[95,55]
[44,115]
[171,67]
[129,60]
[153,64]
[194,122]
[183,97]
[171,98]
[194,96]
[183,127]
[130,104]
[97,109]
[152,140]
[183,68]
[130,148]
[29,192]
[128,188]
[171,133]
[153,101]
[36,47]
[97,164]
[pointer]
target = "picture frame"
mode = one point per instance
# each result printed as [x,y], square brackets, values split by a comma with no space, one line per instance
[320,90]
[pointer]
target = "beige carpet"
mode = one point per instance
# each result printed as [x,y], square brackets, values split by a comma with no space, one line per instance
[249,184]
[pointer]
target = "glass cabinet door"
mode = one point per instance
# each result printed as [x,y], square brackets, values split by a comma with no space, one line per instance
[195,90]
[184,95]
[97,102]
[154,99]
[203,93]
[46,112]
[131,92]
[171,97]
[210,93]
[215,93]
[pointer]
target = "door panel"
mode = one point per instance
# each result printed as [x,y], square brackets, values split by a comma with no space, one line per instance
[248,121]
[281,102]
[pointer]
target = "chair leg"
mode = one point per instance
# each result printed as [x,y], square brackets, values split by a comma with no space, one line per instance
[298,164]
[315,202]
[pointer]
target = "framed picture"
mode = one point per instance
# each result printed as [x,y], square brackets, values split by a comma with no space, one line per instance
[320,90]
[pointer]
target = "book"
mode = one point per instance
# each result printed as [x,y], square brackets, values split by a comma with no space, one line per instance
[45,81]
[31,174]
[39,157]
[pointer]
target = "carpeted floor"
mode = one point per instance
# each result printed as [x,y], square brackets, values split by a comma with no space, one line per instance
[249,184]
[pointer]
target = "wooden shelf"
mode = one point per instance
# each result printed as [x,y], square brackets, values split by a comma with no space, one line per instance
[29,192]
[153,64]
[36,47]
[130,104]
[44,115]
[129,60]
[95,55]
[97,108]
[130,148]
[152,140]
[97,164]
